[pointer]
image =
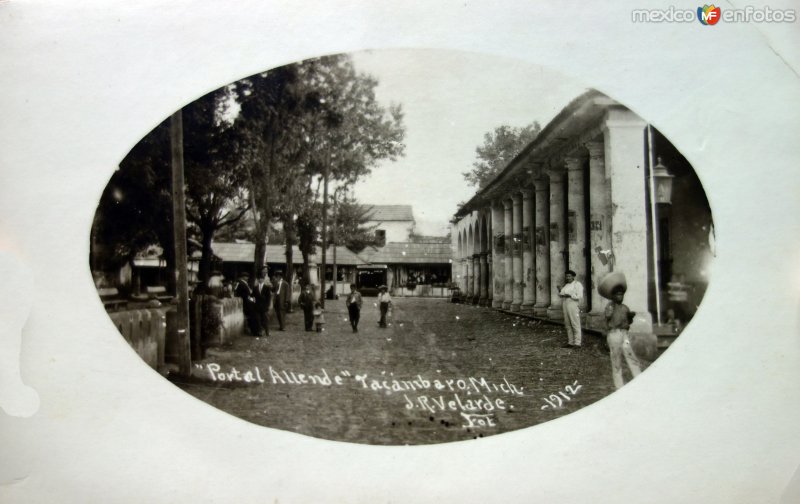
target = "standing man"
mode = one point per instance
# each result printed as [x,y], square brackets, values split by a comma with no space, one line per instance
[243,291]
[306,301]
[263,295]
[384,301]
[354,306]
[571,294]
[281,299]
[618,321]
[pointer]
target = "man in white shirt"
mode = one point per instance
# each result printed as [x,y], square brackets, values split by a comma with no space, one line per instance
[571,295]
[384,301]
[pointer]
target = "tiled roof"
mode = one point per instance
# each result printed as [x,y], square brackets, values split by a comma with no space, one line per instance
[385,213]
[430,239]
[409,253]
[391,253]
[244,252]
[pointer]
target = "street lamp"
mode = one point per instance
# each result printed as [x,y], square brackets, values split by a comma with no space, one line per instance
[662,179]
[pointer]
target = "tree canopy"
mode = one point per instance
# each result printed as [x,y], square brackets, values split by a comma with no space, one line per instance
[255,152]
[499,147]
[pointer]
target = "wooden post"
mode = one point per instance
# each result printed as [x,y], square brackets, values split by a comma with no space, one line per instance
[179,242]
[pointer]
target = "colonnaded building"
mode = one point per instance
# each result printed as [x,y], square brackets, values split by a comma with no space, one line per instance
[579,197]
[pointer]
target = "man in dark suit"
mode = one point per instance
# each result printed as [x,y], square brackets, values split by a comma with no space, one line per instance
[243,291]
[306,301]
[281,299]
[262,292]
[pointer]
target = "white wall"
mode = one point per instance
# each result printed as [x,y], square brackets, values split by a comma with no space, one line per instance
[396,231]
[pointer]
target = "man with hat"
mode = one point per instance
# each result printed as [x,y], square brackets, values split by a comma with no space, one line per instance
[262,292]
[571,295]
[618,320]
[243,291]
[306,300]
[281,299]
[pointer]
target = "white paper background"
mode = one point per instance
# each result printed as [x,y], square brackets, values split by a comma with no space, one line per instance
[714,420]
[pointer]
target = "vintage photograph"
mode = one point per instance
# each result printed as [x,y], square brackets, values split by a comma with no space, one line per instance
[402,247]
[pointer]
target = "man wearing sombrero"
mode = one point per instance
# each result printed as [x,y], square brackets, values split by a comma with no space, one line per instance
[618,320]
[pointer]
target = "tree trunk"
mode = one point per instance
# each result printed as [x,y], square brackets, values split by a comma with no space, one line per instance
[260,256]
[306,269]
[288,230]
[204,269]
[324,230]
[291,241]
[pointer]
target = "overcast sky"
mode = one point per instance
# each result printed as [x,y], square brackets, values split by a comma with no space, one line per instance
[451,99]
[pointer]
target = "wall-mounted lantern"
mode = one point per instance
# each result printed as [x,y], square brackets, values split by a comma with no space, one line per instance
[663,183]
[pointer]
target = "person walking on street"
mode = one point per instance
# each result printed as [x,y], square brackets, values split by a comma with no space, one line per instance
[306,301]
[354,307]
[243,291]
[281,300]
[262,293]
[618,321]
[571,295]
[384,302]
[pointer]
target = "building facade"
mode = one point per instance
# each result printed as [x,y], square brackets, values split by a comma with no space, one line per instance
[392,223]
[578,197]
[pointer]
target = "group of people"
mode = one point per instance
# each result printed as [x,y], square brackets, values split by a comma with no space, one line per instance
[259,297]
[618,320]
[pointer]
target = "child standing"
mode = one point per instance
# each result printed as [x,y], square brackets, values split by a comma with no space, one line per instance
[319,318]
[618,321]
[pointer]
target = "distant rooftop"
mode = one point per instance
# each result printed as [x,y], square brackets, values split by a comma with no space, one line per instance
[244,252]
[429,239]
[385,213]
[408,253]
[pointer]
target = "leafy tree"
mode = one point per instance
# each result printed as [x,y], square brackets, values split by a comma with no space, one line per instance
[305,122]
[350,225]
[273,145]
[499,147]
[213,172]
[135,208]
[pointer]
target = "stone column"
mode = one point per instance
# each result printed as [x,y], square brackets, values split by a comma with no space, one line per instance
[558,243]
[623,135]
[576,224]
[498,256]
[599,231]
[508,289]
[528,271]
[483,276]
[465,263]
[489,280]
[542,244]
[489,277]
[517,262]
[476,277]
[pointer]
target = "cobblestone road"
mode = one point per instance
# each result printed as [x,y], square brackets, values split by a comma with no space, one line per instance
[441,372]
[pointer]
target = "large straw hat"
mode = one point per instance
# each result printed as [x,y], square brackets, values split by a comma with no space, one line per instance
[610,282]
